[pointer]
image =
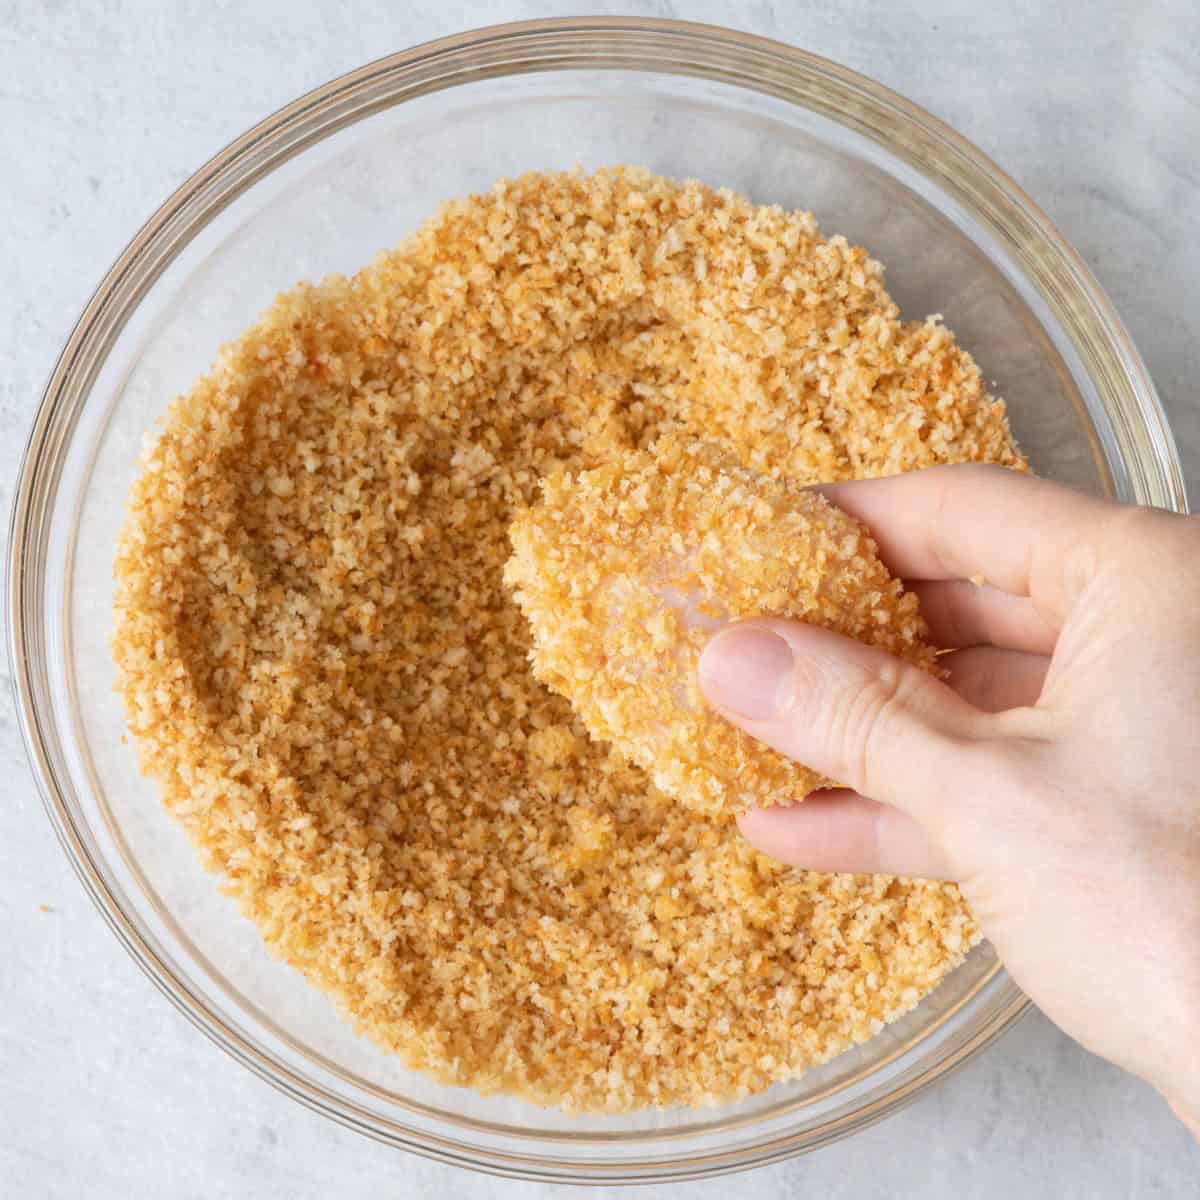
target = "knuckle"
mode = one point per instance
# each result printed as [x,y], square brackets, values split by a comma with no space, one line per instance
[1138,536]
[1148,554]
[862,721]
[950,483]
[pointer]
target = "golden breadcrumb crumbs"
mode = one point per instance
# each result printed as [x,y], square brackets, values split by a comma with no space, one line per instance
[624,571]
[326,676]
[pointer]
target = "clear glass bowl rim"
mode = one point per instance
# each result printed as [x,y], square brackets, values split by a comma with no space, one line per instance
[643,44]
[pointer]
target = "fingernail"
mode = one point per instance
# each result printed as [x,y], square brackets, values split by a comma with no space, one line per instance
[748,671]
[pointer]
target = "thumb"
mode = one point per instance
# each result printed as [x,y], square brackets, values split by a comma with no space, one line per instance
[874,723]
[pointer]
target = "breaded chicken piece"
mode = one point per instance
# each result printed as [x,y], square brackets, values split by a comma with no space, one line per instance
[624,572]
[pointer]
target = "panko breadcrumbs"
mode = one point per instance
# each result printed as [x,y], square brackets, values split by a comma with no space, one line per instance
[326,676]
[624,571]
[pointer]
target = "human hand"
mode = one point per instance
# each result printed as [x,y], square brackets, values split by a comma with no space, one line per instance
[1055,775]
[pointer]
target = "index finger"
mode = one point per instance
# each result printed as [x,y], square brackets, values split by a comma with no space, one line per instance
[1024,535]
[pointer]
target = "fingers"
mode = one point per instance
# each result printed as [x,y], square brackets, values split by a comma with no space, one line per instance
[961,613]
[1026,536]
[879,725]
[842,831]
[839,830]
[996,680]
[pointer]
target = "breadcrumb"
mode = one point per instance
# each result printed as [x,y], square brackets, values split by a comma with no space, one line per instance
[323,671]
[624,571]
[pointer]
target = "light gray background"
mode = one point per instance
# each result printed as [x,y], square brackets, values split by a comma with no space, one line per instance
[105,1091]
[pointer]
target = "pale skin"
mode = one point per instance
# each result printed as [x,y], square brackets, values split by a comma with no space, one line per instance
[1055,775]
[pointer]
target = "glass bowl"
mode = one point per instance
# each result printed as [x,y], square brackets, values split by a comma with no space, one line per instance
[319,187]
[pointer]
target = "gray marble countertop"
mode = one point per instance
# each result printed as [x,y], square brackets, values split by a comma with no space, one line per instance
[105,107]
